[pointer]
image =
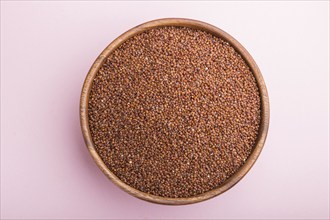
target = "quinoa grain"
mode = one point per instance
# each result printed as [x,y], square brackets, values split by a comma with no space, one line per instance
[174,111]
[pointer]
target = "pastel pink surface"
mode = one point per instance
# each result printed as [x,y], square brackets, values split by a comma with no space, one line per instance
[47,49]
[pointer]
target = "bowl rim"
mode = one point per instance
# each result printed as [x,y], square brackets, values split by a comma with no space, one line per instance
[181,22]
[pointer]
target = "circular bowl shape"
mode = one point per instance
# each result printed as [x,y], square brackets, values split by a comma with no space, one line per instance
[264,109]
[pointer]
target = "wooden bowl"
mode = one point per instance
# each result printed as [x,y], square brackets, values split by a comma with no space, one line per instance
[191,24]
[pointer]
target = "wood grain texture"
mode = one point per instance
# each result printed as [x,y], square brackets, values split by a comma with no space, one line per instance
[263,129]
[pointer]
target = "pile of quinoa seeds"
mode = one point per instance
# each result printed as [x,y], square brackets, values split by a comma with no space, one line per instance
[174,111]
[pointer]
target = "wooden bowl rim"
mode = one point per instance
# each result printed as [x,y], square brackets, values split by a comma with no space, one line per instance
[263,129]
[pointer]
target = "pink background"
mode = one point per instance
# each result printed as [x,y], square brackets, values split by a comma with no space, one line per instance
[46,51]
